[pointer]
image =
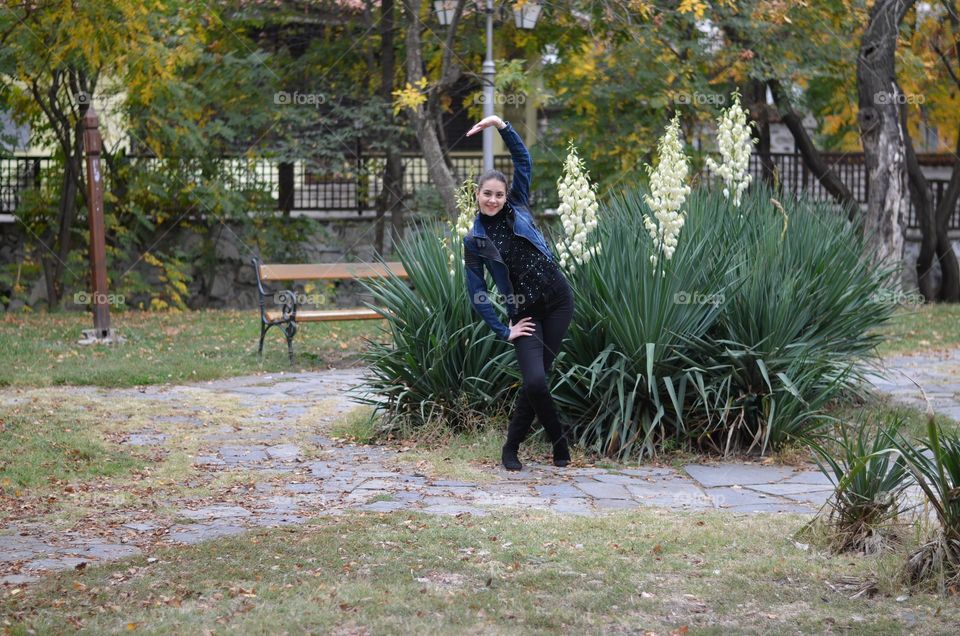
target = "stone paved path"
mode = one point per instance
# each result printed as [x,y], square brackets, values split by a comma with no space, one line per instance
[339,477]
[938,373]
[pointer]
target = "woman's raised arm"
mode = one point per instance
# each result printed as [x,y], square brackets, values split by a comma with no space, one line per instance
[522,164]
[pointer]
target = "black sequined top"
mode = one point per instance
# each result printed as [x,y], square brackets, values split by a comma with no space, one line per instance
[530,270]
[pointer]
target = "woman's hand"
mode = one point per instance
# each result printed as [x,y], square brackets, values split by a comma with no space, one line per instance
[486,122]
[523,328]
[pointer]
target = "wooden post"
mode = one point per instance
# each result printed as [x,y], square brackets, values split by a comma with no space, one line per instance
[286,187]
[92,146]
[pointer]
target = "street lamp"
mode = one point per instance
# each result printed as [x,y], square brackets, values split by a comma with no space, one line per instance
[525,14]
[444,10]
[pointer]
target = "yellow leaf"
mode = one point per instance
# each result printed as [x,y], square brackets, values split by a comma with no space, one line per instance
[410,96]
[696,7]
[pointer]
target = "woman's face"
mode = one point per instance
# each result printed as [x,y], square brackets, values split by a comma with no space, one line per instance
[491,195]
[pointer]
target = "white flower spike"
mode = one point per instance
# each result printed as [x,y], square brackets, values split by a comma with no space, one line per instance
[735,145]
[466,205]
[668,191]
[578,211]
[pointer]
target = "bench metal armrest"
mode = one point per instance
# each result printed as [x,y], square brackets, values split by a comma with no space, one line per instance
[288,301]
[286,298]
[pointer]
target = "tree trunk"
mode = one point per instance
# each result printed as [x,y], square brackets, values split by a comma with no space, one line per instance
[391,197]
[426,118]
[57,239]
[811,156]
[883,144]
[920,196]
[949,268]
[756,94]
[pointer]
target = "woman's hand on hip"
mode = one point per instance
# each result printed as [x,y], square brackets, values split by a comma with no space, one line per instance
[486,122]
[523,328]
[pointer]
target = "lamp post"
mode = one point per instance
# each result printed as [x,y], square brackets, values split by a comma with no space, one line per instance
[489,69]
[92,146]
[525,16]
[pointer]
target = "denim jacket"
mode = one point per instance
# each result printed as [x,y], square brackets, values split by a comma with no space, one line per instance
[479,250]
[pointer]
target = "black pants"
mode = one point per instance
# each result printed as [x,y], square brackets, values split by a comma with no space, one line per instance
[551,314]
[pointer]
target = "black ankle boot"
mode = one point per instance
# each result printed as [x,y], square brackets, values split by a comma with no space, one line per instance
[509,458]
[561,453]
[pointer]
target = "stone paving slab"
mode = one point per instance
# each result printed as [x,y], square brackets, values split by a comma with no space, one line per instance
[786,490]
[284,452]
[809,477]
[937,372]
[599,490]
[63,563]
[18,579]
[149,438]
[215,512]
[616,504]
[669,496]
[724,497]
[110,552]
[737,474]
[177,419]
[560,491]
[197,532]
[148,526]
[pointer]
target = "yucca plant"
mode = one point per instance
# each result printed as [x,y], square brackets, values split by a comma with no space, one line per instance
[935,465]
[623,381]
[441,361]
[795,329]
[869,477]
[762,316]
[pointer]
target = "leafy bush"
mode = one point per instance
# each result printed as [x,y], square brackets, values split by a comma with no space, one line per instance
[443,362]
[869,478]
[763,315]
[936,467]
[797,323]
[625,380]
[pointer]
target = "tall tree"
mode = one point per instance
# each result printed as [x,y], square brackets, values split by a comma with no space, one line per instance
[60,56]
[426,114]
[880,99]
[935,45]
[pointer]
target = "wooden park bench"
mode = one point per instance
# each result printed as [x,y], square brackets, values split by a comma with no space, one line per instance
[288,314]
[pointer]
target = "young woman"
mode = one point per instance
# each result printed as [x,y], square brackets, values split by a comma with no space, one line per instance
[538,298]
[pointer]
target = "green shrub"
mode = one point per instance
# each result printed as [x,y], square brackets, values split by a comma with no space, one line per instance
[869,478]
[442,361]
[762,316]
[935,465]
[795,328]
[625,384]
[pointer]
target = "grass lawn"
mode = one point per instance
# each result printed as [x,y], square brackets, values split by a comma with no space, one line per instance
[62,462]
[175,347]
[922,328]
[166,347]
[880,409]
[41,446]
[511,573]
